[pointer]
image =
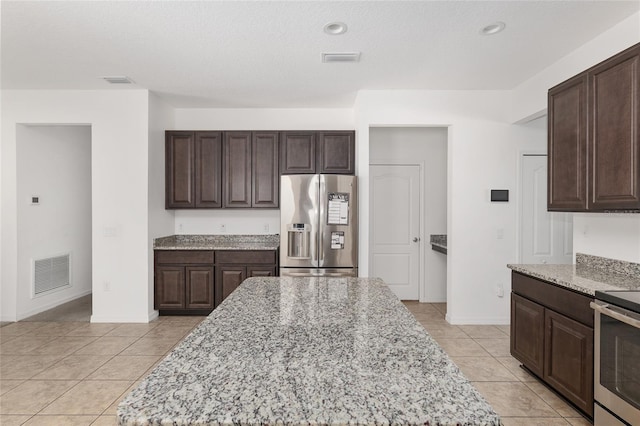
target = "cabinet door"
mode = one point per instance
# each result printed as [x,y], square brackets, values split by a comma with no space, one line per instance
[527,333]
[336,152]
[265,172]
[199,287]
[261,271]
[614,139]
[208,169]
[169,287]
[568,364]
[179,164]
[237,169]
[297,153]
[228,278]
[567,137]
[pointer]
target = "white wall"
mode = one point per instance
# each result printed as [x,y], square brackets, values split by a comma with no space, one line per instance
[426,146]
[54,164]
[612,235]
[609,235]
[119,163]
[483,149]
[530,98]
[161,221]
[239,221]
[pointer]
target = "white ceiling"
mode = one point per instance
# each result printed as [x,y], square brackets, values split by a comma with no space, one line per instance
[268,53]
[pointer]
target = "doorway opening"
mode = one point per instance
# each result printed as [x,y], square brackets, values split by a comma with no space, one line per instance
[54,222]
[545,237]
[408,204]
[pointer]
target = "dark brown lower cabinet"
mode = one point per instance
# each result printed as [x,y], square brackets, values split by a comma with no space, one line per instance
[228,279]
[568,363]
[552,336]
[234,266]
[170,286]
[527,329]
[184,281]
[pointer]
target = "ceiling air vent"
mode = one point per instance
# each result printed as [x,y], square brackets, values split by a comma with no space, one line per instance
[341,57]
[118,79]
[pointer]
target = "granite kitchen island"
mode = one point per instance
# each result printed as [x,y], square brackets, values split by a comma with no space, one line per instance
[307,351]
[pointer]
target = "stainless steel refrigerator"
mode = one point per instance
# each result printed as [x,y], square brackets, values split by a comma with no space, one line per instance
[318,225]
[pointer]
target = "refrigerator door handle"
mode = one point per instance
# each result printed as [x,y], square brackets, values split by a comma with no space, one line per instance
[314,248]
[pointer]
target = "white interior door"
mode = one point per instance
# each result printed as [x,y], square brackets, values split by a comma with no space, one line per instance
[395,228]
[547,237]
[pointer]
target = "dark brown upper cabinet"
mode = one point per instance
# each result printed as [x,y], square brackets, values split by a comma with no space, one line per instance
[251,170]
[193,169]
[614,139]
[237,169]
[265,178]
[567,127]
[310,152]
[336,152]
[208,181]
[594,138]
[297,153]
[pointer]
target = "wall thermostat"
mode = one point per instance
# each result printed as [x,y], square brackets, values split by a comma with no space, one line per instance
[500,195]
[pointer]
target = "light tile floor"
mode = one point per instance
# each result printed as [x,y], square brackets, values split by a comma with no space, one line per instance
[60,371]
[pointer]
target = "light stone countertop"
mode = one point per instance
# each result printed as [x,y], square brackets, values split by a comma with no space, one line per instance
[307,351]
[590,273]
[218,242]
[438,242]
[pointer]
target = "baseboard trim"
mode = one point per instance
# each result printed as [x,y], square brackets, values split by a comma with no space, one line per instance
[461,320]
[52,305]
[125,318]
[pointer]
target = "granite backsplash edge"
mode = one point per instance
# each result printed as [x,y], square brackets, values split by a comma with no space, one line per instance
[604,264]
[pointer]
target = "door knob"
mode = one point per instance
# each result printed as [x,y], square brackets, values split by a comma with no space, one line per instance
[416,239]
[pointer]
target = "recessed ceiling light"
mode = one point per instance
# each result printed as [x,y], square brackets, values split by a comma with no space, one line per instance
[494,28]
[335,28]
[118,79]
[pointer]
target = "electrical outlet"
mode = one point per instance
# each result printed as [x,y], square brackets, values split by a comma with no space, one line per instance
[180,227]
[499,290]
[106,286]
[265,227]
[223,228]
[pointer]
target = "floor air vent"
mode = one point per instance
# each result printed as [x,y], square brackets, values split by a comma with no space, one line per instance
[50,274]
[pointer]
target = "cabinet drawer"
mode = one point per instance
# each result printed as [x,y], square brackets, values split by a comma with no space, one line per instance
[246,256]
[184,256]
[564,301]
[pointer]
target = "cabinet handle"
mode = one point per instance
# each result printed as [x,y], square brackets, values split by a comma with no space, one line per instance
[416,239]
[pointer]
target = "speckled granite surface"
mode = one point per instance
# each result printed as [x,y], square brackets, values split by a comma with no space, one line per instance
[439,243]
[590,273]
[307,351]
[218,242]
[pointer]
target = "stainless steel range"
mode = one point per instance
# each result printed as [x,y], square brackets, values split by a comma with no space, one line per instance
[617,358]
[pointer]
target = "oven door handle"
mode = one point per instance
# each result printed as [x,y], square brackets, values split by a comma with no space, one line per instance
[605,310]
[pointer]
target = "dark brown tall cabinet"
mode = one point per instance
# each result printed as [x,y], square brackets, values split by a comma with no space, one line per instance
[594,137]
[552,335]
[193,170]
[317,152]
